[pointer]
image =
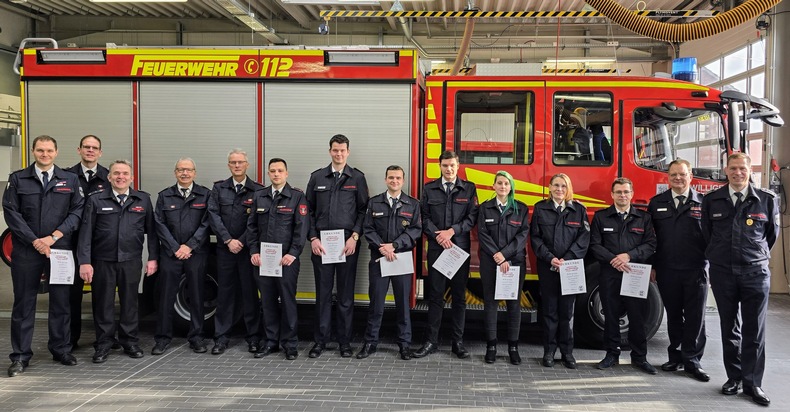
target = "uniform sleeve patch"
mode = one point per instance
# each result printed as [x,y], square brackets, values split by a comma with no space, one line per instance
[303,210]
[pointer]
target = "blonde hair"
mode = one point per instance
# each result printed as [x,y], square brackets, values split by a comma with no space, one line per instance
[568,184]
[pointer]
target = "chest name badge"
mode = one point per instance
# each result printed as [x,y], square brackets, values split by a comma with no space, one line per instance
[661,209]
[106,208]
[489,220]
[608,229]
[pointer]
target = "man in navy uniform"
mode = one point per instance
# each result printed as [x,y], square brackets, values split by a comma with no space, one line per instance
[621,234]
[680,269]
[279,216]
[42,206]
[449,210]
[93,179]
[183,229]
[229,207]
[392,225]
[741,223]
[110,254]
[337,196]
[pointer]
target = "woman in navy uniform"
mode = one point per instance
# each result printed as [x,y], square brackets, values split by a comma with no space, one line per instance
[502,232]
[560,231]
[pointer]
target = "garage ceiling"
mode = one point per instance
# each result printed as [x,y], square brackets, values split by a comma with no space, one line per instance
[294,22]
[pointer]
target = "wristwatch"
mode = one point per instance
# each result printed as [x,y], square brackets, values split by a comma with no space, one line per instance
[355,237]
[55,238]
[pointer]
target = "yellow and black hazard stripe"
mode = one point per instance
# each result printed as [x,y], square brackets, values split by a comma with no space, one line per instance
[475,14]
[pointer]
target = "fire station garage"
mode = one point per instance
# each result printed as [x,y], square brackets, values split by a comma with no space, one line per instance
[586,208]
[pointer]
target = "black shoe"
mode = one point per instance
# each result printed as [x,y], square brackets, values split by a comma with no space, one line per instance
[698,374]
[291,353]
[548,360]
[116,345]
[16,368]
[198,346]
[101,355]
[219,348]
[266,351]
[512,352]
[133,351]
[731,387]
[159,348]
[671,366]
[569,361]
[406,353]
[644,366]
[66,359]
[317,350]
[490,356]
[346,351]
[608,361]
[757,394]
[253,347]
[426,349]
[459,350]
[367,350]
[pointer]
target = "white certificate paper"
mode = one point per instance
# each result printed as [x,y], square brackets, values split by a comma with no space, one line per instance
[333,241]
[271,255]
[636,281]
[507,284]
[572,280]
[61,267]
[402,265]
[450,261]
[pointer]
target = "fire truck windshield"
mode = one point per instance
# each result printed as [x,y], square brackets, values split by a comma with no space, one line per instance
[698,138]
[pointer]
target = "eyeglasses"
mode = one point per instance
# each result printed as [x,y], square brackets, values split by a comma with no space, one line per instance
[185,170]
[94,148]
[237,162]
[622,192]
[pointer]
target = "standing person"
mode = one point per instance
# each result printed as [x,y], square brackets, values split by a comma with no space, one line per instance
[337,196]
[560,231]
[183,229]
[621,234]
[279,216]
[93,179]
[680,269]
[229,208]
[110,254]
[502,231]
[392,225]
[42,206]
[449,210]
[741,223]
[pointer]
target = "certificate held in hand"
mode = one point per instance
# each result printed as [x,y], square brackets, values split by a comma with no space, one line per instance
[506,287]
[271,255]
[636,282]
[572,277]
[61,267]
[333,241]
[450,261]
[402,265]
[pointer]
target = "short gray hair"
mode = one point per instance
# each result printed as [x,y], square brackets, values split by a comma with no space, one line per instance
[185,159]
[238,151]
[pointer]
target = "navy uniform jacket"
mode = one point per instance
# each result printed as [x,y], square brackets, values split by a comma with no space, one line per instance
[337,203]
[610,236]
[404,231]
[503,232]
[285,221]
[182,221]
[228,211]
[740,239]
[464,211]
[31,214]
[562,236]
[112,233]
[679,231]
[99,182]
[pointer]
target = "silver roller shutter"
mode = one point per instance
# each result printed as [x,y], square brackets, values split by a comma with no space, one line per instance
[299,120]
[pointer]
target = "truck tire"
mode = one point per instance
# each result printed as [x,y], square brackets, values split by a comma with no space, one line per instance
[182,304]
[589,319]
[5,243]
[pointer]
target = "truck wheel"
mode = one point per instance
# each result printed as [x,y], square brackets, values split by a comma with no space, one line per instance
[589,319]
[5,243]
[183,303]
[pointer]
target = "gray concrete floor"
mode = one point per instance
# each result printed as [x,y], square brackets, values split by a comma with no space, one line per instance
[235,381]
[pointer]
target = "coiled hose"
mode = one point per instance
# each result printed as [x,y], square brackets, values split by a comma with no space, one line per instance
[678,33]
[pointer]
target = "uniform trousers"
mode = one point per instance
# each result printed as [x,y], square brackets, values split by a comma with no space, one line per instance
[26,269]
[743,343]
[377,292]
[556,312]
[325,275]
[437,284]
[106,277]
[171,270]
[75,306]
[488,271]
[278,298]
[236,287]
[613,305]
[684,293]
